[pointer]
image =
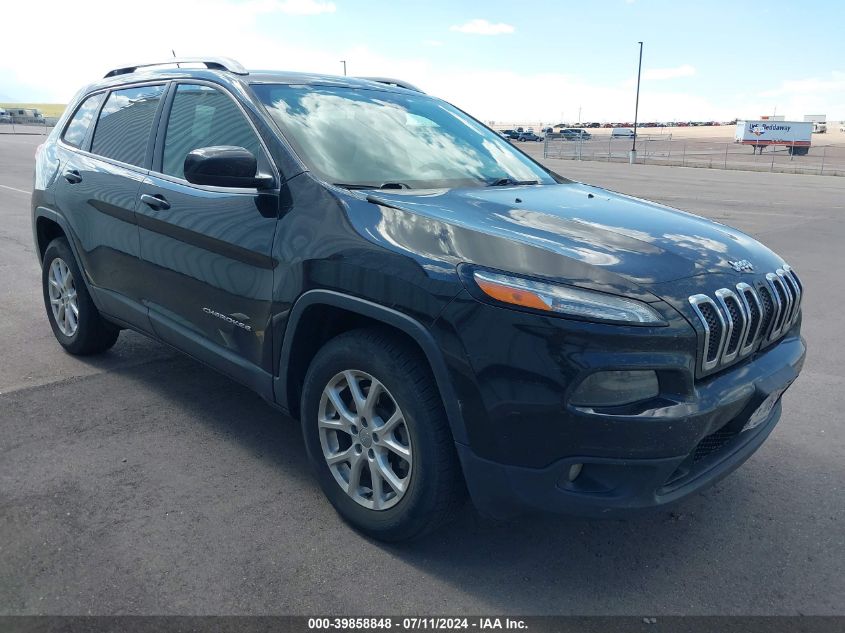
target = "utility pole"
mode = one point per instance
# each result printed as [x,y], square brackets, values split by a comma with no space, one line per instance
[633,157]
[343,61]
[579,115]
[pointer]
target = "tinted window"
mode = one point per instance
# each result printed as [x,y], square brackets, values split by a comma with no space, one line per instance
[78,127]
[203,117]
[370,137]
[123,129]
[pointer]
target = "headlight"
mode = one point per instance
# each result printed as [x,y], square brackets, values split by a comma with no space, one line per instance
[565,300]
[614,388]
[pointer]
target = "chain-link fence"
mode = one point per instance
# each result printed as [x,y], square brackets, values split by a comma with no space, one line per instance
[827,159]
[33,126]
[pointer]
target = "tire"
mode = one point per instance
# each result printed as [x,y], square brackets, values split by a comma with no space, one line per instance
[431,480]
[84,331]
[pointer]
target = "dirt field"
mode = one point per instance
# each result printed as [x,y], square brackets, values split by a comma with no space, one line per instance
[47,109]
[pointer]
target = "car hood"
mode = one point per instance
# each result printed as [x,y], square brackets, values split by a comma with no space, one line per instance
[644,242]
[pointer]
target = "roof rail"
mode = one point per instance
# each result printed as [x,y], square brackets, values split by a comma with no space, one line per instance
[399,83]
[214,63]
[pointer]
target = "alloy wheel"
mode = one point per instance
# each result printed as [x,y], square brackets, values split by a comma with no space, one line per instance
[365,439]
[63,297]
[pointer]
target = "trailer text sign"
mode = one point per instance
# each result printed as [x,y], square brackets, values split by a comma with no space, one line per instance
[795,133]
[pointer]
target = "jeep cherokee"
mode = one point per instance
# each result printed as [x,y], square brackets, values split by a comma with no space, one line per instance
[440,312]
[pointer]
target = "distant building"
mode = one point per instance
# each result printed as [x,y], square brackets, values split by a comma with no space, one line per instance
[25,115]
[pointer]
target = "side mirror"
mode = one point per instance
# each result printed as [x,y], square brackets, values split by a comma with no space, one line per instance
[224,166]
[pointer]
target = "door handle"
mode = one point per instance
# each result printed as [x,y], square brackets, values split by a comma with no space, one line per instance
[157,202]
[72,176]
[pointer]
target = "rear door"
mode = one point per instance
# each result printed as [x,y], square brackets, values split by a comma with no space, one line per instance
[208,249]
[98,190]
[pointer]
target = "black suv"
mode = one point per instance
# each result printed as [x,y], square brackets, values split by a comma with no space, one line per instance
[440,312]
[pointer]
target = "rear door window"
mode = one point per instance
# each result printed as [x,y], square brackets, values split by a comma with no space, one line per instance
[78,127]
[123,129]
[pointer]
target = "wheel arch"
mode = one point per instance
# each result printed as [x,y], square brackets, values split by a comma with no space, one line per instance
[48,225]
[303,336]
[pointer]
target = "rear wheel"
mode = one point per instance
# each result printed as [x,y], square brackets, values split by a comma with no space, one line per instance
[377,436]
[74,318]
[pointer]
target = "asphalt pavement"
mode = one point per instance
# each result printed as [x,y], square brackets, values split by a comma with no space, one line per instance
[141,482]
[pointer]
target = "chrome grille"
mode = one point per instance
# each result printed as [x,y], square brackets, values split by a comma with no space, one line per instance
[738,320]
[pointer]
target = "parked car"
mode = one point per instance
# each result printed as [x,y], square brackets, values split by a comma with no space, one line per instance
[538,342]
[573,134]
[622,132]
[528,136]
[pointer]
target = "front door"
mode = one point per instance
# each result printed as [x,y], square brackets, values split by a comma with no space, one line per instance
[207,250]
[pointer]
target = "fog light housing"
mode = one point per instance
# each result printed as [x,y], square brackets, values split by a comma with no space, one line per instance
[615,388]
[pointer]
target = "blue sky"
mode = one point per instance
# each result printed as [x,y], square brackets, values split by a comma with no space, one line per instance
[533,60]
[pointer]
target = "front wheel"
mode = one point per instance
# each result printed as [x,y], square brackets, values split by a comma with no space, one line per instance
[378,438]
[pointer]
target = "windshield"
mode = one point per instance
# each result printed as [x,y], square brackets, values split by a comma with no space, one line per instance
[373,138]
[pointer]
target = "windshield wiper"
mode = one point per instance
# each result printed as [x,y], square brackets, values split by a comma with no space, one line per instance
[504,182]
[386,185]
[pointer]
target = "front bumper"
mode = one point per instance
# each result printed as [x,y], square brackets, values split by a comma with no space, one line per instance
[708,439]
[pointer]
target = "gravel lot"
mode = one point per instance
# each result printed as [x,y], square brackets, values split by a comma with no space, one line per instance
[141,482]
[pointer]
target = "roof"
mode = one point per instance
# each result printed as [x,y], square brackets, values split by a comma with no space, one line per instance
[141,72]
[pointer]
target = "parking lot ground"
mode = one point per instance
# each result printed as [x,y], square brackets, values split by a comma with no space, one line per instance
[141,482]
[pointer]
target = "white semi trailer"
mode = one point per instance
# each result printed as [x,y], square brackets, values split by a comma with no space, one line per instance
[795,135]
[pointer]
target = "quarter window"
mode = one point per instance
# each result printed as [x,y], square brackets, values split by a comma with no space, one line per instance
[123,130]
[78,127]
[202,116]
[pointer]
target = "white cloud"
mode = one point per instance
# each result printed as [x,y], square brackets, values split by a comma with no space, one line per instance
[192,27]
[684,70]
[224,27]
[835,83]
[483,27]
[662,74]
[797,97]
[291,7]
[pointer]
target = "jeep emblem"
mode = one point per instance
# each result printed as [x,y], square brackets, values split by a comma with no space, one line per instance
[742,266]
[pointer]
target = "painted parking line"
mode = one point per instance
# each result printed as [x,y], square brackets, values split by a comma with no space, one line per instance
[16,189]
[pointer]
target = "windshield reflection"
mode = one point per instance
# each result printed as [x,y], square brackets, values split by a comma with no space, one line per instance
[364,137]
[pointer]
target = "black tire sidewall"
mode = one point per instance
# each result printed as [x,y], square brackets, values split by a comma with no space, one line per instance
[89,319]
[348,353]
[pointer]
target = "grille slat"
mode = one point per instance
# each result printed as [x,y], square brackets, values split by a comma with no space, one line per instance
[714,329]
[753,308]
[792,280]
[742,320]
[769,310]
[783,301]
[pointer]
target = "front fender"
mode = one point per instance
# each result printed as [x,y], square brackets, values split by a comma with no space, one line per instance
[411,327]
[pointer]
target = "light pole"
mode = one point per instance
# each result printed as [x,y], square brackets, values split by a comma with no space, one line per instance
[633,156]
[343,61]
